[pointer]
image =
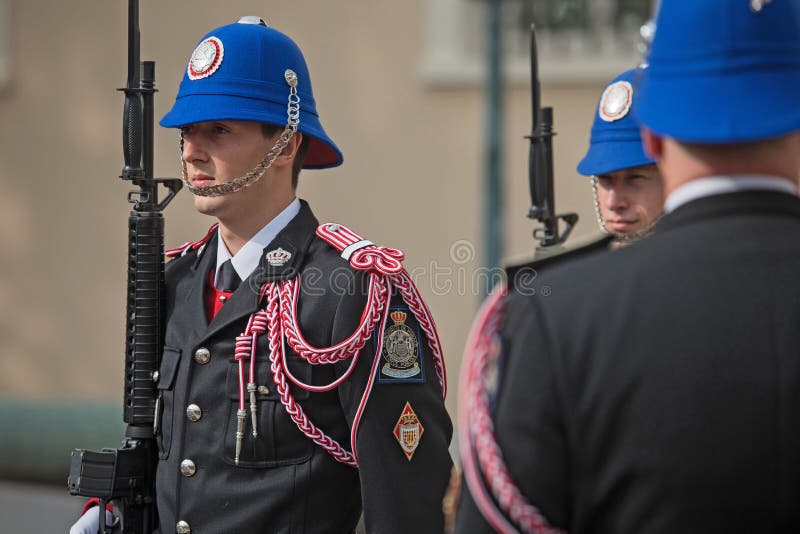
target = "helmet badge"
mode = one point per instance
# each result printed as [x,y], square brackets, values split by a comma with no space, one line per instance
[616,101]
[206,59]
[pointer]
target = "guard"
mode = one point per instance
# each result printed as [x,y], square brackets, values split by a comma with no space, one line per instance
[648,391]
[302,382]
[626,184]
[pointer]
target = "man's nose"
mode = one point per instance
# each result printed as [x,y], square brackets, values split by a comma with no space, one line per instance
[193,149]
[616,200]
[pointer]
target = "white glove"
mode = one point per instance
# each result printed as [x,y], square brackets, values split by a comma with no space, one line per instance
[89,523]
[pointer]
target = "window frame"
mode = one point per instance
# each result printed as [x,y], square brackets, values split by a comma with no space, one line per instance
[447,60]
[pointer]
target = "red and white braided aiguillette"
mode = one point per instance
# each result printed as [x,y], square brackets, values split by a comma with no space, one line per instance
[279,320]
[487,476]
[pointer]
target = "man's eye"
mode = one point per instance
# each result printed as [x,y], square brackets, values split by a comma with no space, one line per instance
[220,130]
[185,130]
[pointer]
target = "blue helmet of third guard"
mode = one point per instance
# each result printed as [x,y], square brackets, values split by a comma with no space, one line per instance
[249,71]
[615,142]
[723,71]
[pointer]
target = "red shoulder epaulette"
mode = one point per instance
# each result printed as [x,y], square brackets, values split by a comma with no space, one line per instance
[362,254]
[190,245]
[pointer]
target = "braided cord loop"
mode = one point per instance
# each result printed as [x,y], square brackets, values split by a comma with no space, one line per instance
[477,438]
[277,359]
[376,300]
[381,259]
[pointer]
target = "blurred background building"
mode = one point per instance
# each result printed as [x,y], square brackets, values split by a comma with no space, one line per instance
[400,86]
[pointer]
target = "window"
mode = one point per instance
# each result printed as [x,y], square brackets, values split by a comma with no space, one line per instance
[578,40]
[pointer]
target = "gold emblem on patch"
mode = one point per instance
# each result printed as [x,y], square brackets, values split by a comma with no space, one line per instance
[408,431]
[400,348]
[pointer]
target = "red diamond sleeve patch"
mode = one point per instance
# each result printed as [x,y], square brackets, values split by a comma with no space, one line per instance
[408,431]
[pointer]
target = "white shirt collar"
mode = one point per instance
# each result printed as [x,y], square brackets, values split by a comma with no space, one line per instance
[716,185]
[247,259]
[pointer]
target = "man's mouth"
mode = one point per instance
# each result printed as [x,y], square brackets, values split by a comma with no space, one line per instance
[621,225]
[202,180]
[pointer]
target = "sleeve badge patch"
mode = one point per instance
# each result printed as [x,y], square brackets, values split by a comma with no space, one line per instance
[402,349]
[408,431]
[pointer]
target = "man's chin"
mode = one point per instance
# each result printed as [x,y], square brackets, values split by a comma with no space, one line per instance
[207,205]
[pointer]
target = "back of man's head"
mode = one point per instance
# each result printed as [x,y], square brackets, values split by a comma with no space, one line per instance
[723,82]
[723,71]
[681,162]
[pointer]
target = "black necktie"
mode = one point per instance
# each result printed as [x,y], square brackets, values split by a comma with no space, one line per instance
[228,279]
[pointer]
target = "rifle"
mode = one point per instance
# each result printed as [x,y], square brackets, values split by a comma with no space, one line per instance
[540,182]
[127,474]
[540,167]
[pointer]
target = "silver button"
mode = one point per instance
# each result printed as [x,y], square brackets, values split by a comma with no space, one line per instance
[223,298]
[333,227]
[155,376]
[183,528]
[263,390]
[188,468]
[193,412]
[202,355]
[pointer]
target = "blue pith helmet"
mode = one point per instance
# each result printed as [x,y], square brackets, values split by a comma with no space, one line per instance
[615,142]
[238,72]
[723,71]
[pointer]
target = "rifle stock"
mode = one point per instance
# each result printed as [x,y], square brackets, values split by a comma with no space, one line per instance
[126,475]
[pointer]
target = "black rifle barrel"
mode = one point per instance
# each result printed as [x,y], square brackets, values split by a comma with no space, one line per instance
[540,164]
[535,87]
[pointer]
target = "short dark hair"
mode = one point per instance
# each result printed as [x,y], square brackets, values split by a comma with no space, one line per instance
[270,130]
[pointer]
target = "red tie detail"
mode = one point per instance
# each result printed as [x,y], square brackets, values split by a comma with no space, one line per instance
[214,298]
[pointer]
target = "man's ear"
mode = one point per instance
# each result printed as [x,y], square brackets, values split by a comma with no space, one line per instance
[293,144]
[289,152]
[652,143]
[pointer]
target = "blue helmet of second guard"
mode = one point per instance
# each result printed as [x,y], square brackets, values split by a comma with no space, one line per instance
[615,142]
[249,71]
[723,71]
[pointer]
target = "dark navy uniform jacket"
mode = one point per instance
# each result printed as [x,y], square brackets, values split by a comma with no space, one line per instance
[285,482]
[657,388]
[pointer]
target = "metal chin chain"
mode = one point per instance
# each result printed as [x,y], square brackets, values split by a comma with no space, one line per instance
[597,211]
[239,183]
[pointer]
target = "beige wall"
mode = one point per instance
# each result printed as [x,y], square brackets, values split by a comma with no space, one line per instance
[412,178]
